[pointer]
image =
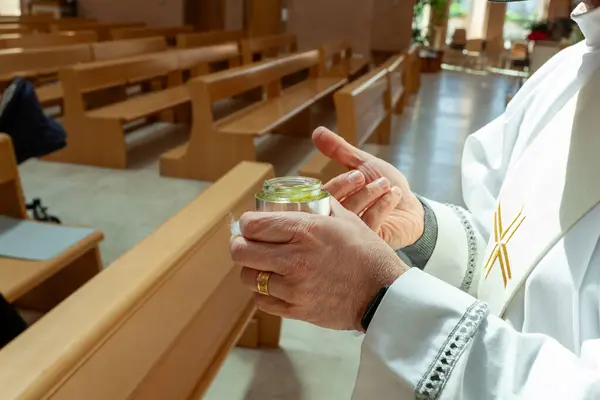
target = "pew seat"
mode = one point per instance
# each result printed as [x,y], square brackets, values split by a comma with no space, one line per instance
[349,67]
[142,106]
[40,285]
[269,114]
[337,59]
[216,146]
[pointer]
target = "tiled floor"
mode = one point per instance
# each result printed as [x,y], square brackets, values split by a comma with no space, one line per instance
[313,363]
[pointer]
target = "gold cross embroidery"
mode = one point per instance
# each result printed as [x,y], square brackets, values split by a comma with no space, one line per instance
[502,237]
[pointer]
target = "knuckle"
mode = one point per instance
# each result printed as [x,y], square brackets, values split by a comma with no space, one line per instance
[236,248]
[248,224]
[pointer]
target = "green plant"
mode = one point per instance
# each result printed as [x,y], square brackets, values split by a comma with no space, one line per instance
[457,10]
[540,26]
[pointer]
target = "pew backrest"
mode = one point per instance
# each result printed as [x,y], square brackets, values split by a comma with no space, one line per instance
[198,60]
[127,48]
[136,33]
[226,84]
[157,323]
[34,62]
[362,105]
[12,203]
[267,46]
[189,40]
[14,28]
[395,66]
[103,30]
[47,39]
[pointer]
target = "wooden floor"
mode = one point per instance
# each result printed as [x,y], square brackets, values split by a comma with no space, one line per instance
[313,363]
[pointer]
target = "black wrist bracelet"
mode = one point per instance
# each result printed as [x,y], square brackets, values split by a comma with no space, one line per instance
[372,308]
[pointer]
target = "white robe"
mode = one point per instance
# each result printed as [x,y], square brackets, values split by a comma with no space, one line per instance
[526,323]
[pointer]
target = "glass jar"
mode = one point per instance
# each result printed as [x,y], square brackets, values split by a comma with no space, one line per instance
[294,193]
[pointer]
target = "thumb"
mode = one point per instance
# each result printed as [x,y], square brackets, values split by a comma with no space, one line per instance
[335,147]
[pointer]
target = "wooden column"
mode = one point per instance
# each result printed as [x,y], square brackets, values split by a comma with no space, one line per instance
[391,27]
[265,17]
[559,9]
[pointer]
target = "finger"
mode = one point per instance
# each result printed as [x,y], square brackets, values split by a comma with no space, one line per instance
[336,148]
[367,195]
[275,227]
[260,256]
[274,306]
[345,184]
[381,209]
[277,287]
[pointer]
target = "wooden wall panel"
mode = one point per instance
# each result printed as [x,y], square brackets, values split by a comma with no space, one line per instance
[391,28]
[152,12]
[318,21]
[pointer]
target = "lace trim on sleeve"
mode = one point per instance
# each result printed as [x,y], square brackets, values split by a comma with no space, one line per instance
[471,243]
[432,384]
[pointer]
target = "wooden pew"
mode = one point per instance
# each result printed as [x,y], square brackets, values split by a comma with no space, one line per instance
[395,66]
[47,39]
[337,60]
[112,50]
[412,73]
[363,109]
[216,146]
[40,285]
[42,62]
[189,40]
[156,324]
[103,30]
[268,47]
[14,29]
[135,33]
[95,131]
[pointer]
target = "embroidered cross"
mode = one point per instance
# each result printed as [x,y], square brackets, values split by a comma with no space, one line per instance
[502,237]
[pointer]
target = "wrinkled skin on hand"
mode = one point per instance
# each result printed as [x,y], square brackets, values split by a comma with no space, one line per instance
[373,189]
[325,270]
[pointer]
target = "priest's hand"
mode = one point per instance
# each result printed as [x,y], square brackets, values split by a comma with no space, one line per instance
[324,270]
[373,189]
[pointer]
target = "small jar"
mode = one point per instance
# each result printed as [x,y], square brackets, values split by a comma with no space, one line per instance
[294,193]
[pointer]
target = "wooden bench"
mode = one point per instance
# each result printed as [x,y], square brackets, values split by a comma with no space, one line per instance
[113,50]
[395,66]
[216,146]
[34,64]
[188,40]
[47,39]
[103,30]
[363,110]
[268,47]
[156,324]
[412,73]
[14,29]
[40,285]
[170,33]
[96,133]
[337,60]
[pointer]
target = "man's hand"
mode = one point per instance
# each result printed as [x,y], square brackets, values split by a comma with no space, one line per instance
[325,270]
[374,190]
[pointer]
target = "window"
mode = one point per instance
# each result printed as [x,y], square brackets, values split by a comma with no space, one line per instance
[519,16]
[10,7]
[458,18]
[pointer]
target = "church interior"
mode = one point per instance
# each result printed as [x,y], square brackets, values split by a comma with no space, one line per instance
[159,120]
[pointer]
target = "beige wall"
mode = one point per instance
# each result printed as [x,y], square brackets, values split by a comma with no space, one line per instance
[153,12]
[318,21]
[392,25]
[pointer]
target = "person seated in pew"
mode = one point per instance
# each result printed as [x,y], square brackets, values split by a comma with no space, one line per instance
[503,299]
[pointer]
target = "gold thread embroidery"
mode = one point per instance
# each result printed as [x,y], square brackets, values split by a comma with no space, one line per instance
[502,237]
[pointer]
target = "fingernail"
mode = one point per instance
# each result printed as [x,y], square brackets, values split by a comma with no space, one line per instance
[356,177]
[382,182]
[397,191]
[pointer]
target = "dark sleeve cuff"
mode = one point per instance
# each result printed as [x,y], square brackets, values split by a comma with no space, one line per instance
[420,252]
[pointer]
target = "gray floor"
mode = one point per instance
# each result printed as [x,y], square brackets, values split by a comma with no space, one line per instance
[313,363]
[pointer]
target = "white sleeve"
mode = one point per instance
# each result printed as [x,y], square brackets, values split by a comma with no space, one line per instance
[463,234]
[429,340]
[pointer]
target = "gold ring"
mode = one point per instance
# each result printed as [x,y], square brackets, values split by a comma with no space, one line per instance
[262,283]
